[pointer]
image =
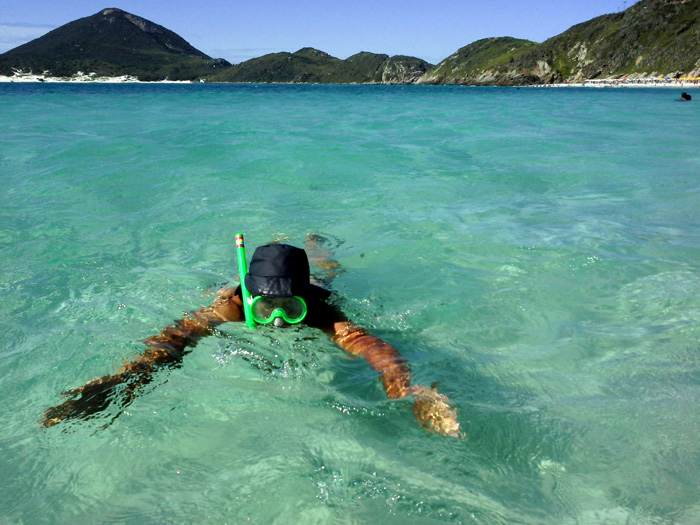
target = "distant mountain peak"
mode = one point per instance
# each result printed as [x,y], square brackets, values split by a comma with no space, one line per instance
[312,52]
[111,42]
[144,25]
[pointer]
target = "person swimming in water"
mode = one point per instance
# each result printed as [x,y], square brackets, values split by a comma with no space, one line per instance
[282,293]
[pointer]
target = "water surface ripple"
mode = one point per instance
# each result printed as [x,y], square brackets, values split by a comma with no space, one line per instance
[533,250]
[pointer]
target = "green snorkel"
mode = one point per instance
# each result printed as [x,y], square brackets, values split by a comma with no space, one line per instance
[243,271]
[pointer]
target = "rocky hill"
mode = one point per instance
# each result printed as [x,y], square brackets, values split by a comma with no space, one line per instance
[312,66]
[111,43]
[479,62]
[650,39]
[115,43]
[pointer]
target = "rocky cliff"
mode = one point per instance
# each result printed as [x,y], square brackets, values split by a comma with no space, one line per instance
[311,66]
[650,39]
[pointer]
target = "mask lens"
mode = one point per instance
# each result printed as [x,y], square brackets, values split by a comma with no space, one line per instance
[266,309]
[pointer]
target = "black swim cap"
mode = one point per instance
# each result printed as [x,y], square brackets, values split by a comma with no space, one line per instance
[280,270]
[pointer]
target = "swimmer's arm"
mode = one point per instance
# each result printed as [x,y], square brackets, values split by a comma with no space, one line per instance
[186,332]
[165,349]
[431,409]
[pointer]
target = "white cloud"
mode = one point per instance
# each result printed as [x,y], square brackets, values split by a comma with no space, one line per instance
[12,36]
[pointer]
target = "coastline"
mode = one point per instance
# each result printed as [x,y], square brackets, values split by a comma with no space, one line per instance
[615,83]
[85,78]
[597,83]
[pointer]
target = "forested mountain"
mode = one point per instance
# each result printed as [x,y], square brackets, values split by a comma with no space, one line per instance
[650,39]
[312,66]
[111,43]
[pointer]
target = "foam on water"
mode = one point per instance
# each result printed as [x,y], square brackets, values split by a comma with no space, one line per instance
[536,251]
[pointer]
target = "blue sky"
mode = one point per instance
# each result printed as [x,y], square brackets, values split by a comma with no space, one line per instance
[239,30]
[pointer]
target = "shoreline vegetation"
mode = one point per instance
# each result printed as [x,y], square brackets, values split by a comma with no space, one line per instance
[92,78]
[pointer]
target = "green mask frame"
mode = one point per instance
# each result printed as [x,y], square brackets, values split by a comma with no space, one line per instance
[266,309]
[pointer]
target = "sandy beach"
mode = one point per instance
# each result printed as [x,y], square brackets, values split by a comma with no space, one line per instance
[616,83]
[82,77]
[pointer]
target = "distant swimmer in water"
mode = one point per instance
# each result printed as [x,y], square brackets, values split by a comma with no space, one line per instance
[276,291]
[685,97]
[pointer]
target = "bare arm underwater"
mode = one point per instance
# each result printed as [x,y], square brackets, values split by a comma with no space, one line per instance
[431,409]
[164,350]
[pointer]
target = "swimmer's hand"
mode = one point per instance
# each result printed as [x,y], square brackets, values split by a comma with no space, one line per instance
[84,401]
[433,412]
[95,396]
[165,349]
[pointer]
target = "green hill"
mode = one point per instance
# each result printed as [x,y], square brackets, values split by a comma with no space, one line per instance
[111,43]
[312,66]
[650,39]
[475,63]
[305,66]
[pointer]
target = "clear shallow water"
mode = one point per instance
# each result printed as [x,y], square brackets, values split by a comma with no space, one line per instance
[536,251]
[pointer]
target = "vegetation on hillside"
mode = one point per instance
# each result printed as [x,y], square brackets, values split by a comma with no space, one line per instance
[650,39]
[312,66]
[472,64]
[111,43]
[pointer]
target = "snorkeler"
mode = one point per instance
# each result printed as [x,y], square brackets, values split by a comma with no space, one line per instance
[276,290]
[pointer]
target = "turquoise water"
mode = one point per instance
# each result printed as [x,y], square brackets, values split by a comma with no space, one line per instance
[536,251]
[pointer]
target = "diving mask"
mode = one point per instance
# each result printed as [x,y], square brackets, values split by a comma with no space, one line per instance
[265,310]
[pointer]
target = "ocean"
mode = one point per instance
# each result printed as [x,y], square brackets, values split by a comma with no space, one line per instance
[535,251]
